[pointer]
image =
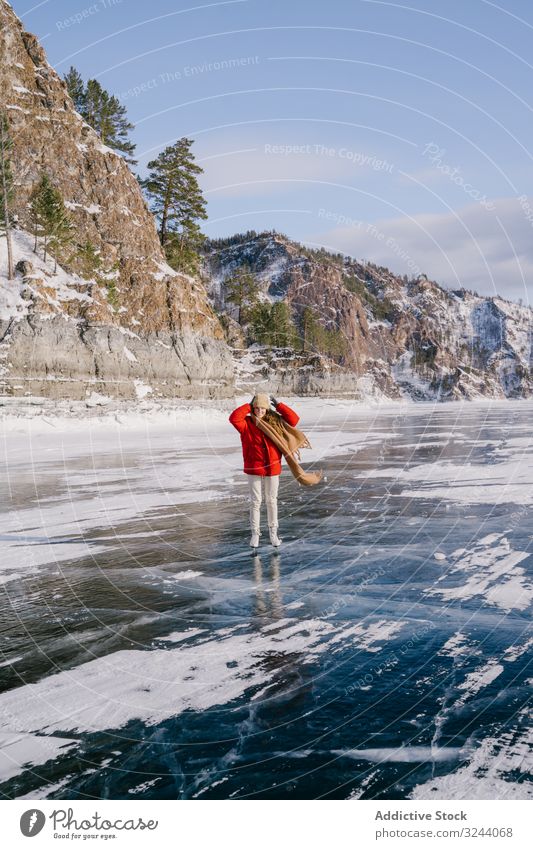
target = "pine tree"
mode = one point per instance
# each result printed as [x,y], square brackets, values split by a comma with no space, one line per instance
[272,324]
[182,249]
[317,338]
[89,260]
[107,116]
[93,104]
[314,334]
[50,219]
[242,290]
[38,212]
[6,189]
[283,334]
[334,343]
[261,327]
[177,202]
[76,89]
[116,127]
[103,112]
[62,234]
[91,267]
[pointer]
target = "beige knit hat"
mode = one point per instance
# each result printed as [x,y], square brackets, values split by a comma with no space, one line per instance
[261,400]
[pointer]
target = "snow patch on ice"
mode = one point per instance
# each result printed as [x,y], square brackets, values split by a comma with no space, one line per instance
[179,636]
[479,678]
[366,636]
[456,646]
[491,773]
[19,751]
[470,483]
[512,653]
[155,685]
[489,569]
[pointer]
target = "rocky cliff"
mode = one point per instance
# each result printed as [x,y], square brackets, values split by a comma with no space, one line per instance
[62,335]
[401,337]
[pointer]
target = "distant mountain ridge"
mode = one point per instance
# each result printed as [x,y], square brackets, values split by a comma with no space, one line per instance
[403,337]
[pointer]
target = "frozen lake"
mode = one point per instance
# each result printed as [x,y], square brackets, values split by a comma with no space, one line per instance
[381,654]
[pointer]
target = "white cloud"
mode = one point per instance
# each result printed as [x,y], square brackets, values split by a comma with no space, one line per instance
[489,251]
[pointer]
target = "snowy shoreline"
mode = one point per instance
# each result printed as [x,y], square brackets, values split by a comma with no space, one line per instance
[102,410]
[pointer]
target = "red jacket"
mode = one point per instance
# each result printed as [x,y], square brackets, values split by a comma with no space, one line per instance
[261,456]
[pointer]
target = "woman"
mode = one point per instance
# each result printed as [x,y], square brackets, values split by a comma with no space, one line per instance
[262,458]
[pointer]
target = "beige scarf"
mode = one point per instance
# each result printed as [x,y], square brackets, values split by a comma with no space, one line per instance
[289,444]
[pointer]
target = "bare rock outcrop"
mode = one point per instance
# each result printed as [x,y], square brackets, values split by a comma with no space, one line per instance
[178,338]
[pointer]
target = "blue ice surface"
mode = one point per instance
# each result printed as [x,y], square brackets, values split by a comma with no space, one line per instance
[383,650]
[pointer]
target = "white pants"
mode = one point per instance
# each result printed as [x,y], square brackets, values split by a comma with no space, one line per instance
[271,485]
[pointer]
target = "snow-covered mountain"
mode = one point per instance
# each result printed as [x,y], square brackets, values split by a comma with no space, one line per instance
[401,337]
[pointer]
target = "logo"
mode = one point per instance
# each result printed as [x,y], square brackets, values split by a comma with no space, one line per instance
[32,822]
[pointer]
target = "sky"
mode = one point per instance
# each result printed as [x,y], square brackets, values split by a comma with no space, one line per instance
[394,132]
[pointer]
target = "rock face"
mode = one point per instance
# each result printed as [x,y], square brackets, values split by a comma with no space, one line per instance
[76,330]
[401,337]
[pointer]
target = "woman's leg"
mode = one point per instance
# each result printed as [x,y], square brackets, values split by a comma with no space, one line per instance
[271,498]
[254,484]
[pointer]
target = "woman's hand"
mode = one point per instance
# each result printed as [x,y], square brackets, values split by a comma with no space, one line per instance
[273,401]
